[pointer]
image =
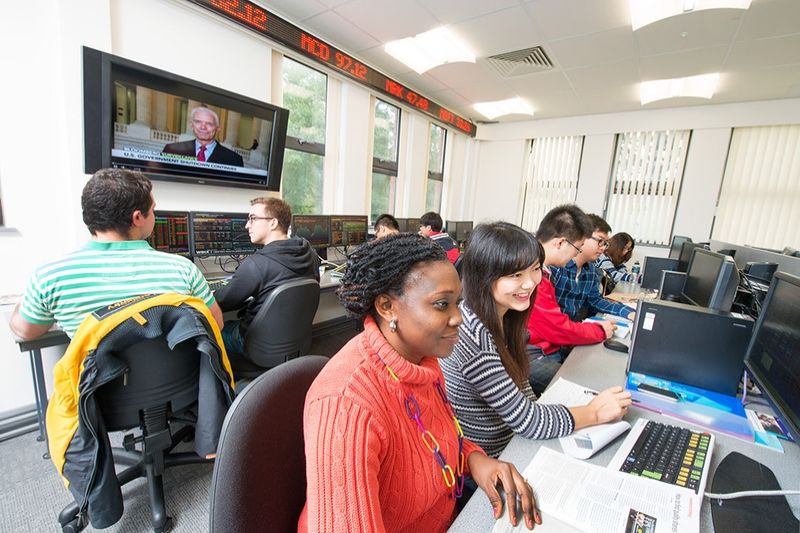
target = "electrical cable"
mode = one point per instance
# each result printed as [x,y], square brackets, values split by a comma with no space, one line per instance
[750,493]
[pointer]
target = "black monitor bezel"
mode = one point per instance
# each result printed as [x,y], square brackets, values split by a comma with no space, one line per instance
[721,260]
[792,419]
[100,69]
[172,212]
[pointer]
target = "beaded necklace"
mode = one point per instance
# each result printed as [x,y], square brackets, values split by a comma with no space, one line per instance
[452,480]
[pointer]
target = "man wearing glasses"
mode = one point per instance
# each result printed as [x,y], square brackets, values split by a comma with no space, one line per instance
[280,260]
[578,282]
[563,232]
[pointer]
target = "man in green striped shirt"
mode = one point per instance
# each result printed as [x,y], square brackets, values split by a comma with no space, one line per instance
[116,264]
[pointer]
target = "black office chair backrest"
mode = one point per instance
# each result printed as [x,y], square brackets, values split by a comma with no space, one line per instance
[281,330]
[156,376]
[259,480]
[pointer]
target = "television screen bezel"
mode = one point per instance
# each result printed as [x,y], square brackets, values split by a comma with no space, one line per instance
[98,100]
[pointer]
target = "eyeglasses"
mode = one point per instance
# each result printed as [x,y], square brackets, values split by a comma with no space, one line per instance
[602,243]
[253,218]
[578,249]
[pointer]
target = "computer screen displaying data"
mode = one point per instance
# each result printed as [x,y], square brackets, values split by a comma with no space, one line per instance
[348,230]
[171,233]
[220,234]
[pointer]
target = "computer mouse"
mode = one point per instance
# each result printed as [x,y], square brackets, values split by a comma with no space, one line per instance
[617,346]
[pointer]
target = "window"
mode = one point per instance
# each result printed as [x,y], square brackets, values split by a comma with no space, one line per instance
[552,176]
[761,188]
[646,183]
[305,96]
[385,147]
[433,195]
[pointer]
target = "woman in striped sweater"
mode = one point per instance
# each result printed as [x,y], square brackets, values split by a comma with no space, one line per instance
[487,375]
[384,451]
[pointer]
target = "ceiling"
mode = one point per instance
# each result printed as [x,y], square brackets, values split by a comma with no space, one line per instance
[598,61]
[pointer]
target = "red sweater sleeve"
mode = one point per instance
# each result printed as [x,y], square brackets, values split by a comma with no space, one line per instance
[339,498]
[550,328]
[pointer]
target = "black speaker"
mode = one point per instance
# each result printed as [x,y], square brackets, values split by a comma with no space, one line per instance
[672,285]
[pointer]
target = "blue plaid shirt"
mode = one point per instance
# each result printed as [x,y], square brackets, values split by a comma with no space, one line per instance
[575,291]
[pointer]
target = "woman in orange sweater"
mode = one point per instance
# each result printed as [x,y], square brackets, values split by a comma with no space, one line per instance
[384,451]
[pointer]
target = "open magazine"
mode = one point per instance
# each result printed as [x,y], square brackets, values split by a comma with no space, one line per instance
[575,495]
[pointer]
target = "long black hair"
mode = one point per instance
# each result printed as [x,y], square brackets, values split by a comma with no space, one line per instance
[381,267]
[495,250]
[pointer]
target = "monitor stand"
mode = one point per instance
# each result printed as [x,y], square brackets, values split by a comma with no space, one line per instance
[765,514]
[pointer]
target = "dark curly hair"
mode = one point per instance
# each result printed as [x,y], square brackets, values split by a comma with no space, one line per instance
[381,267]
[111,196]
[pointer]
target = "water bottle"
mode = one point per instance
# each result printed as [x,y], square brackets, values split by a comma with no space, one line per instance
[635,269]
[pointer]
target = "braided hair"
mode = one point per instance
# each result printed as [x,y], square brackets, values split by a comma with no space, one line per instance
[381,267]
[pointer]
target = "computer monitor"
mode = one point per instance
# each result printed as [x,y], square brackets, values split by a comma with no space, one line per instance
[685,256]
[450,226]
[348,230]
[653,270]
[463,229]
[315,229]
[675,246]
[171,233]
[408,225]
[711,280]
[773,356]
[219,234]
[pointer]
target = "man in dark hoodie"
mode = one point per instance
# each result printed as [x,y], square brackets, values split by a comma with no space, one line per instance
[281,259]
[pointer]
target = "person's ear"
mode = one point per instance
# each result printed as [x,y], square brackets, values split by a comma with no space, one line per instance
[385,307]
[138,218]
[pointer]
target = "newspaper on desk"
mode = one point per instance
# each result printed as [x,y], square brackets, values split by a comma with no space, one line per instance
[591,498]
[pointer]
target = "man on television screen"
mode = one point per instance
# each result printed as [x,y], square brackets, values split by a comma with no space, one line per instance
[205,124]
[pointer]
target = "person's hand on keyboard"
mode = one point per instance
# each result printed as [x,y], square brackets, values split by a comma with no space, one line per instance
[610,404]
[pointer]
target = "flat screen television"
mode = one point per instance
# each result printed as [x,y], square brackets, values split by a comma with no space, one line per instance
[142,118]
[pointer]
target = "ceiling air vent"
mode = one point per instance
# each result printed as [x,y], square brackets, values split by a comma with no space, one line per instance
[520,62]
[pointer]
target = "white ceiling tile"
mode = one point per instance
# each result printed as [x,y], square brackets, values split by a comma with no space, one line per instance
[387,20]
[759,84]
[765,52]
[379,59]
[472,82]
[681,64]
[331,27]
[567,18]
[451,11]
[698,29]
[329,3]
[595,78]
[423,84]
[292,10]
[770,17]
[603,47]
[502,31]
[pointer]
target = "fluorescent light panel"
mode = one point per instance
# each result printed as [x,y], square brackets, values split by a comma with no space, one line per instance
[644,12]
[512,106]
[429,49]
[702,86]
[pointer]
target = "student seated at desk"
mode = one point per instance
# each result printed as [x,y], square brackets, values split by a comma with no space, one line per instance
[281,259]
[115,265]
[487,375]
[578,283]
[562,232]
[373,411]
[612,262]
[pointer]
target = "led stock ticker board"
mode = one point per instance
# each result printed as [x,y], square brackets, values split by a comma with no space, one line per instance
[269,25]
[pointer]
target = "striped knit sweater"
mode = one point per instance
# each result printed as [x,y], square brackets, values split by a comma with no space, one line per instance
[490,406]
[367,468]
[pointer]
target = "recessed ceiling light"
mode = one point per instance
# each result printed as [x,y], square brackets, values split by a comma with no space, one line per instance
[702,86]
[430,49]
[512,106]
[644,12]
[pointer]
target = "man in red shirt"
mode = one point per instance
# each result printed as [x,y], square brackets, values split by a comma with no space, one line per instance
[430,225]
[561,233]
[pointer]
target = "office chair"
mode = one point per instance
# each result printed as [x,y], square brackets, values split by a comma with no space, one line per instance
[259,478]
[281,330]
[160,387]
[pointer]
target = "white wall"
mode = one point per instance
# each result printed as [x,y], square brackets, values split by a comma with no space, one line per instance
[500,168]
[41,141]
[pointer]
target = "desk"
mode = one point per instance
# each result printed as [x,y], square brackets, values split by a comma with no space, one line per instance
[599,368]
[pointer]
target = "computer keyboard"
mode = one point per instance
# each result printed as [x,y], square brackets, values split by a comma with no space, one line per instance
[217,283]
[666,453]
